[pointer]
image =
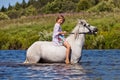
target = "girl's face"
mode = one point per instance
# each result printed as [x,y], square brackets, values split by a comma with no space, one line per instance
[60,21]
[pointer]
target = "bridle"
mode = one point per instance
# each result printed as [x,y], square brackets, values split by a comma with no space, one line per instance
[87,26]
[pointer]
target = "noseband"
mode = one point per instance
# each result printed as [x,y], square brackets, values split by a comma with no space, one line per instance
[84,32]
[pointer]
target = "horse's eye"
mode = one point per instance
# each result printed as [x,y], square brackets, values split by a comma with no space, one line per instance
[84,24]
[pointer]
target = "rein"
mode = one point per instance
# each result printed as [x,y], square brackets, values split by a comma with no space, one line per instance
[81,33]
[90,32]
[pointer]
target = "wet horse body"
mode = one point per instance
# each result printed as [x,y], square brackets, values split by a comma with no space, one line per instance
[49,52]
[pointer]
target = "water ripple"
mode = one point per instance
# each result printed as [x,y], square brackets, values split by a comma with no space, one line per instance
[94,65]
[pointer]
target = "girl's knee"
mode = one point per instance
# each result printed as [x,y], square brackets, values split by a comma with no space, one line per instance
[68,46]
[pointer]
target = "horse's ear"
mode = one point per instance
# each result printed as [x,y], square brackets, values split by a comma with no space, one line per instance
[81,22]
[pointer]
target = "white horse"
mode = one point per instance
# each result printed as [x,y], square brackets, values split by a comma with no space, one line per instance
[44,51]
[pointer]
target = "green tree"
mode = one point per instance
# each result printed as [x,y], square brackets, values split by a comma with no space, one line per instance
[68,6]
[103,6]
[30,2]
[85,4]
[116,3]
[43,2]
[97,1]
[30,11]
[24,5]
[59,6]
[17,6]
[3,16]
[13,14]
[75,1]
[3,9]
[10,7]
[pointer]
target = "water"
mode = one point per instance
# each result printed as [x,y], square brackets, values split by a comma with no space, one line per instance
[94,65]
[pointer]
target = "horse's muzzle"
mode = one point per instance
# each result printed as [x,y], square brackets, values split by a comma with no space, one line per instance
[95,31]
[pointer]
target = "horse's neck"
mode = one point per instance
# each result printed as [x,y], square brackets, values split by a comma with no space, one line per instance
[78,41]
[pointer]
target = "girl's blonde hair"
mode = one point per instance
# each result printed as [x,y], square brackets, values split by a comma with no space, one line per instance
[60,17]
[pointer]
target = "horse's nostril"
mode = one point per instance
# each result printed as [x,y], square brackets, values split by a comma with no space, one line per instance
[96,30]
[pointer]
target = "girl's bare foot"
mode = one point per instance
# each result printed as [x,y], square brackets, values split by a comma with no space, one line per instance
[67,61]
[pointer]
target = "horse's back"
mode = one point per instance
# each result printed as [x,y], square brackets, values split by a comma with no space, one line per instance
[50,44]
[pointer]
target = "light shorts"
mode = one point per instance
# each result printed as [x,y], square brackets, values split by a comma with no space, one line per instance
[61,39]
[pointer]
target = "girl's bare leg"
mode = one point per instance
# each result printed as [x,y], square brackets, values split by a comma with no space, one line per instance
[67,45]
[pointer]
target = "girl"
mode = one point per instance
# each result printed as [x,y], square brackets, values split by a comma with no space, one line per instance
[58,36]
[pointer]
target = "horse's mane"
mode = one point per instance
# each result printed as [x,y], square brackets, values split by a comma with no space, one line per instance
[75,30]
[80,22]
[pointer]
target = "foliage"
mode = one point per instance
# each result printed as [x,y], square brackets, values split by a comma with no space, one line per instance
[103,6]
[25,23]
[13,14]
[24,4]
[10,7]
[3,9]
[58,6]
[3,16]
[21,33]
[28,11]
[17,6]
[35,7]
[85,4]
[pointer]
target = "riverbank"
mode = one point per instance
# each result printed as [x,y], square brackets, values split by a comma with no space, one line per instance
[21,33]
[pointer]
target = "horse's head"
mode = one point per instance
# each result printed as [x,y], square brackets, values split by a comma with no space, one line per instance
[84,28]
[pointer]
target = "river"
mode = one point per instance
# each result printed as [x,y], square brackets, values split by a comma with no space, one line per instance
[94,65]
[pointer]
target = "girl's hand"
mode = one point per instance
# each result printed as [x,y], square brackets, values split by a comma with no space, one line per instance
[64,32]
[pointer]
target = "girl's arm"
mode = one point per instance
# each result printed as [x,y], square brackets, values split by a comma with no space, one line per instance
[63,32]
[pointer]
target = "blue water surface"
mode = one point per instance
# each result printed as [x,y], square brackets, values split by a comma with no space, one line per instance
[94,65]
